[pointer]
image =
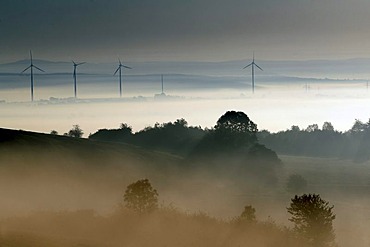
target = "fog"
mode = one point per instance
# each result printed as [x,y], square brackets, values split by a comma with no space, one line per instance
[56,185]
[273,107]
[62,178]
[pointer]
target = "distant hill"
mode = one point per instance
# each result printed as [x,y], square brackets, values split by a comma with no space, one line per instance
[319,69]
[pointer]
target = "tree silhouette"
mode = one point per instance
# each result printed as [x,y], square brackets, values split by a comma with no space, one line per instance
[327,126]
[125,126]
[248,214]
[238,123]
[141,197]
[53,132]
[358,126]
[232,146]
[313,219]
[312,128]
[76,132]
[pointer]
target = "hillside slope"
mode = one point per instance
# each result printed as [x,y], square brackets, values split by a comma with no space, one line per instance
[41,171]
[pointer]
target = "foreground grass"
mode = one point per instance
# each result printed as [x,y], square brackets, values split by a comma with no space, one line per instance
[165,227]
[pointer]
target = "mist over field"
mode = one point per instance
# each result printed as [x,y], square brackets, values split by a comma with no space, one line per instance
[274,108]
[299,92]
[258,135]
[49,182]
[47,178]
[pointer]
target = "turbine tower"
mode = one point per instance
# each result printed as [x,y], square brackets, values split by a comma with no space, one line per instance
[253,64]
[162,84]
[31,67]
[120,65]
[75,76]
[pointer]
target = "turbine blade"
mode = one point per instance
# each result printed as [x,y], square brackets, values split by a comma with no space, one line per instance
[80,63]
[117,70]
[258,67]
[126,67]
[26,69]
[247,65]
[119,60]
[38,68]
[31,56]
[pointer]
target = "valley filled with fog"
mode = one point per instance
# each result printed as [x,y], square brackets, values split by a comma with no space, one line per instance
[274,107]
[287,93]
[71,181]
[184,123]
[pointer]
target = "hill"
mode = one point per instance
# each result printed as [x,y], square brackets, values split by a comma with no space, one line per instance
[16,140]
[59,174]
[43,171]
[291,68]
[47,171]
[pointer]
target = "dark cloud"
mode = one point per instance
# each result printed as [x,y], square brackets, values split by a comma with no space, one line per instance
[190,29]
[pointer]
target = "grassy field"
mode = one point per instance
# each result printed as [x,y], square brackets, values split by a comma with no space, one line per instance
[165,227]
[62,176]
[346,185]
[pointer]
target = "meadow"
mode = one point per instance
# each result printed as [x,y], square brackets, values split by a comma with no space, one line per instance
[71,194]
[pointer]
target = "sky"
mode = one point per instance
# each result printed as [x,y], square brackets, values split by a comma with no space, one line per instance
[178,30]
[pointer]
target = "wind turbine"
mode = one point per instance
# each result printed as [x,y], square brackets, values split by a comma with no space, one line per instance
[253,64]
[307,87]
[31,67]
[162,84]
[75,76]
[120,65]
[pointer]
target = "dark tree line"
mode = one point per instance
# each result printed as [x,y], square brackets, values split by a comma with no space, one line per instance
[173,137]
[352,144]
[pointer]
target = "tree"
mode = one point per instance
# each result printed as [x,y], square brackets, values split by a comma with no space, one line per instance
[232,144]
[327,126]
[234,130]
[358,126]
[76,132]
[53,132]
[313,219]
[141,197]
[248,214]
[296,183]
[312,128]
[181,122]
[125,126]
[237,122]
